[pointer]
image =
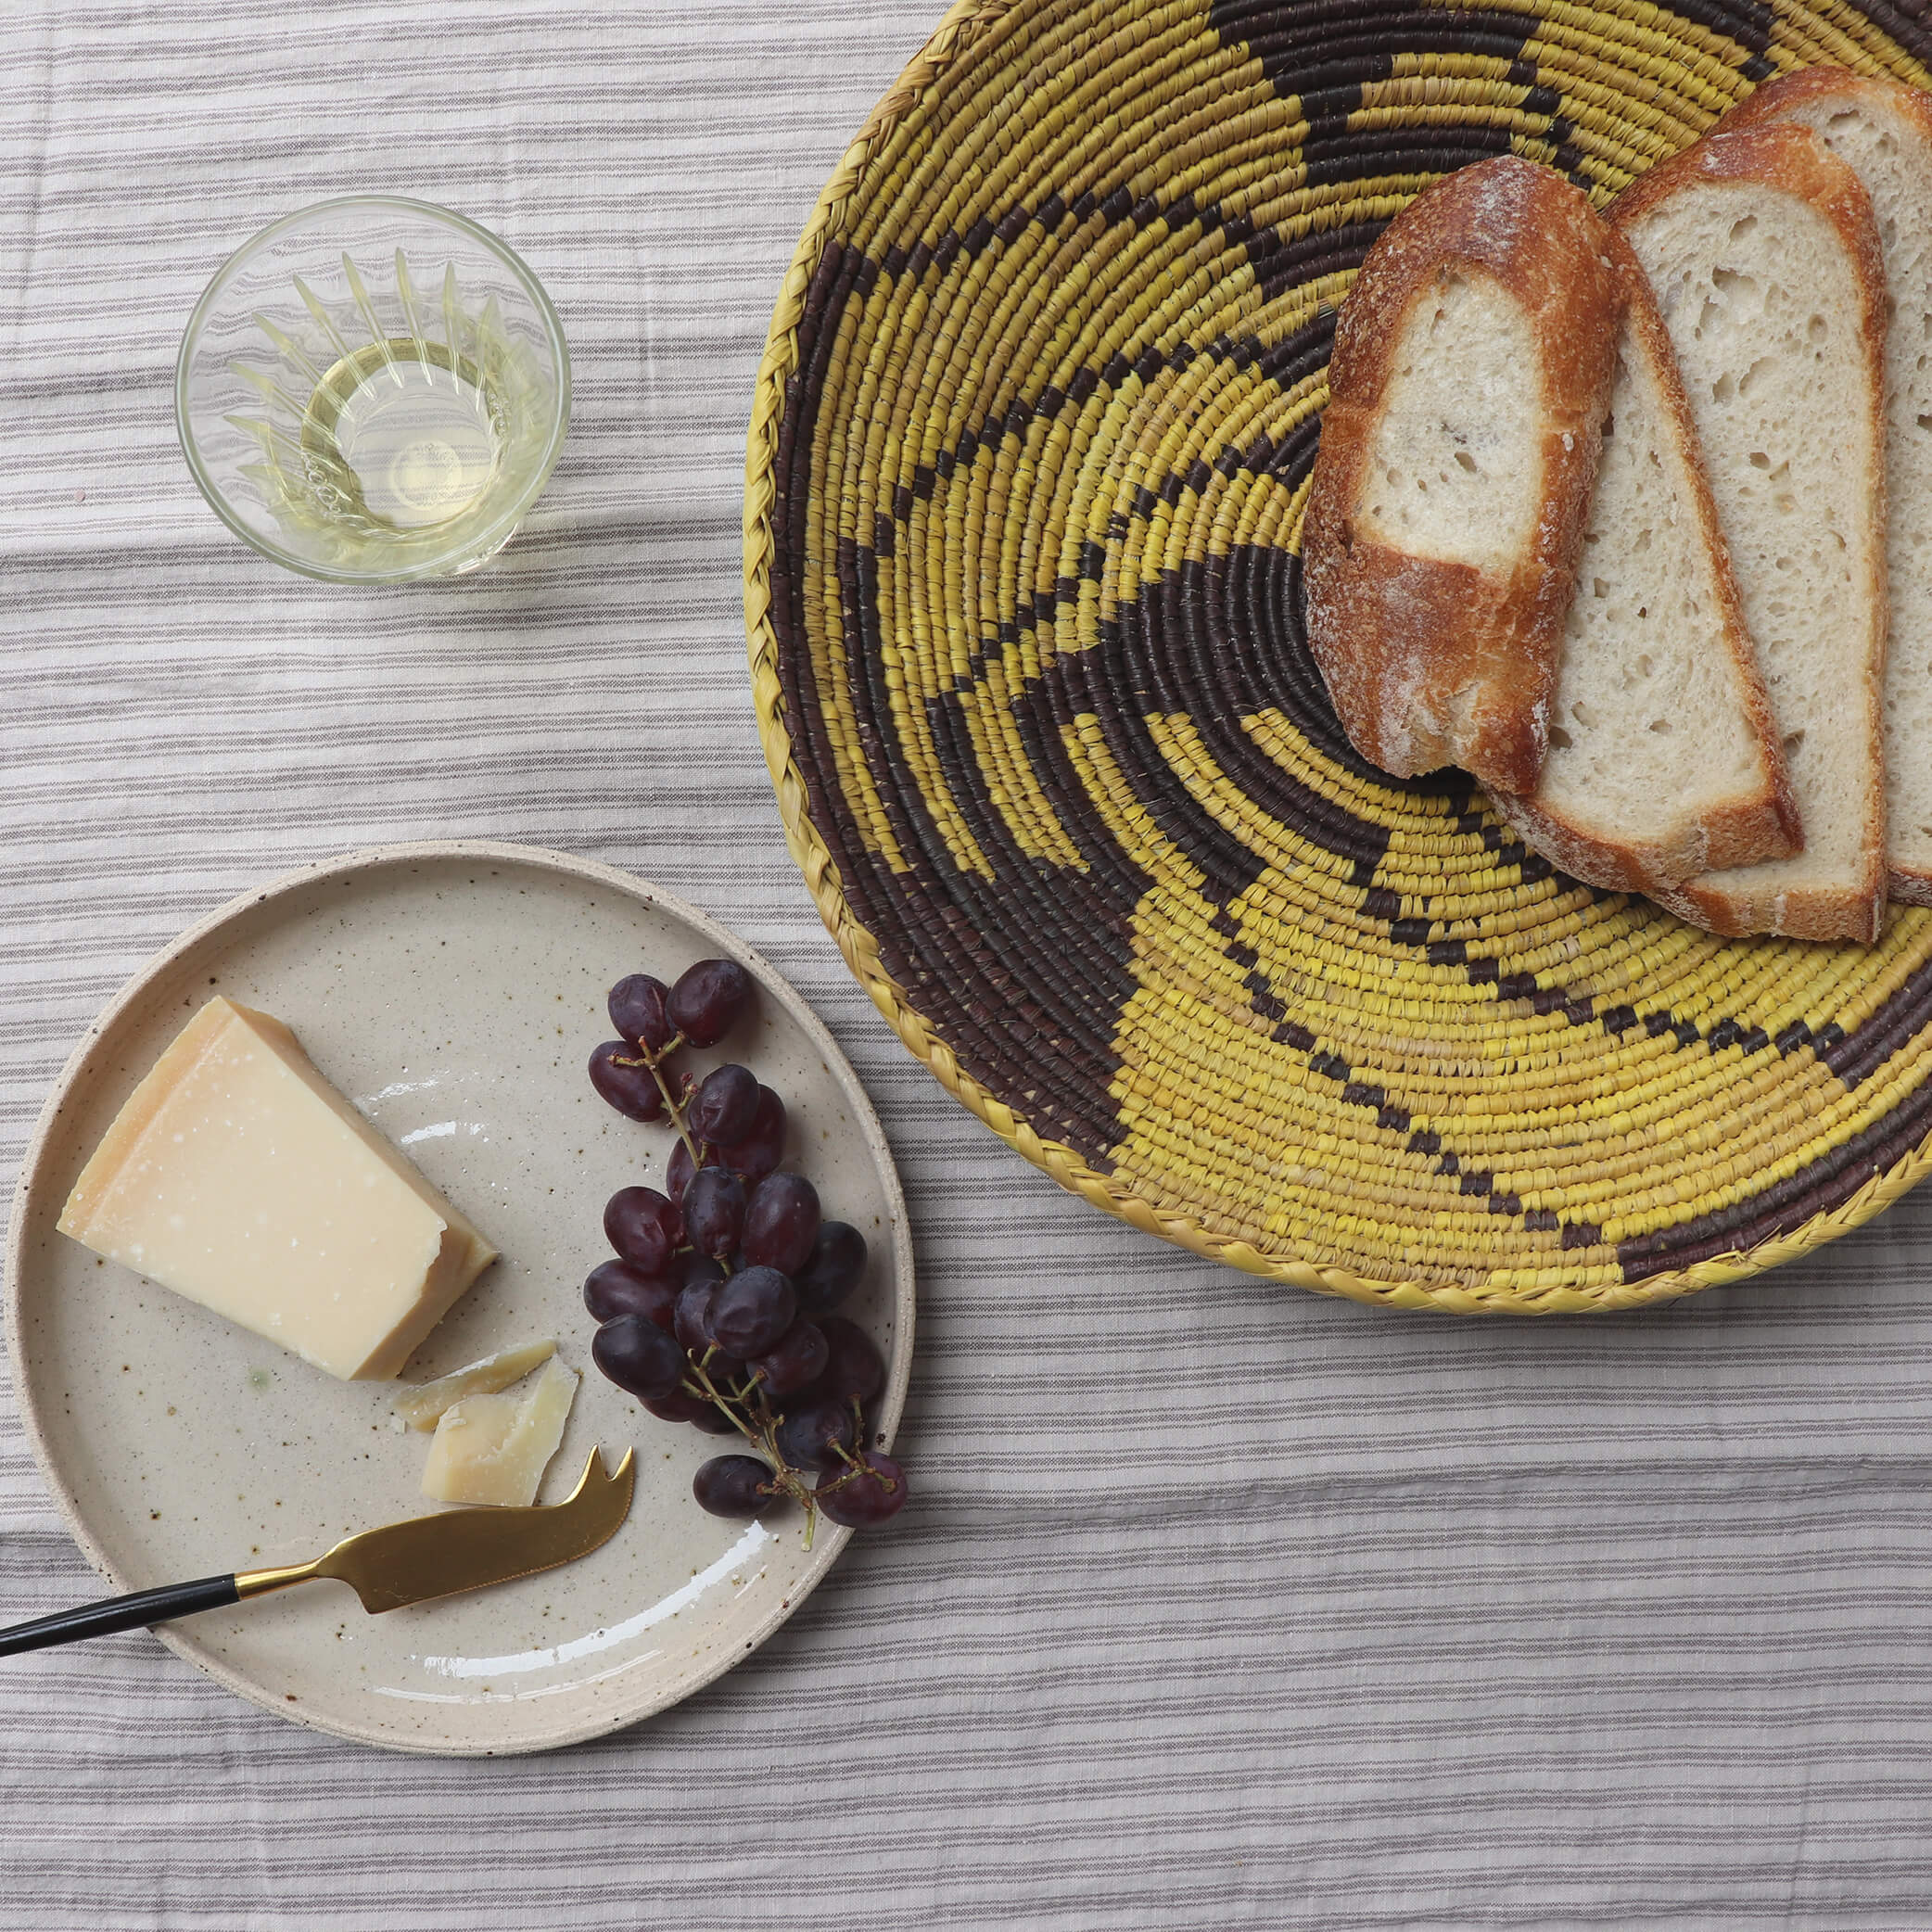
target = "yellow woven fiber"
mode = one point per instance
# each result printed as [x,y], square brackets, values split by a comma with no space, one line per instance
[1027,465]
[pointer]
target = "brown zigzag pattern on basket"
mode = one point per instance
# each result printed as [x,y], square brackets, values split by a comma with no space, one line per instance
[1276,264]
[1298,45]
[1080,1030]
[1286,363]
[1002,1037]
[1328,53]
[1023,1017]
[1232,868]
[1789,1204]
[1331,153]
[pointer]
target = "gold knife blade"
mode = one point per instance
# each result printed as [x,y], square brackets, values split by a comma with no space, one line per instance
[466,1549]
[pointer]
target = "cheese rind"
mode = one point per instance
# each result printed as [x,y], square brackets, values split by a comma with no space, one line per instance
[493,1449]
[422,1407]
[236,1175]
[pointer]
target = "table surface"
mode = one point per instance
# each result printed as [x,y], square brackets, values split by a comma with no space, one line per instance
[1219,1604]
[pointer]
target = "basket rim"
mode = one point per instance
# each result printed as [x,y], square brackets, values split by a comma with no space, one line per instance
[959,33]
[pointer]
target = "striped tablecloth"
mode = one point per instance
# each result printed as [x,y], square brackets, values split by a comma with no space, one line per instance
[1219,1604]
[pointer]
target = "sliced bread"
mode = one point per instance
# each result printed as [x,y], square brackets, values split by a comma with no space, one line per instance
[1663,761]
[1763,255]
[1466,392]
[1882,131]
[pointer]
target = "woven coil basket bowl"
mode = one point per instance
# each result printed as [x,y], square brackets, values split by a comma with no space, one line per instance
[1027,466]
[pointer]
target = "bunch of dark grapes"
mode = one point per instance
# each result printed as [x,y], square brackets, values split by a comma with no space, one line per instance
[718,1309]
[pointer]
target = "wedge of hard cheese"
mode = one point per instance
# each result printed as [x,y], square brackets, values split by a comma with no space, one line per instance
[1466,390]
[236,1175]
[1663,761]
[1882,131]
[493,1449]
[1762,252]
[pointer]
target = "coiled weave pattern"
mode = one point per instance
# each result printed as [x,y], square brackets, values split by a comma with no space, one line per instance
[1027,465]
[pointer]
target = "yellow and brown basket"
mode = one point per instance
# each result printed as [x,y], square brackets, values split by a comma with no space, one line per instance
[1026,478]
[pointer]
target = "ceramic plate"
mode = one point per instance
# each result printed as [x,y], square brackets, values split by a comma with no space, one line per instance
[454,992]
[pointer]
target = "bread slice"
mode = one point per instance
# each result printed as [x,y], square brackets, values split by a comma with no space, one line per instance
[1882,131]
[1663,761]
[1466,392]
[1762,252]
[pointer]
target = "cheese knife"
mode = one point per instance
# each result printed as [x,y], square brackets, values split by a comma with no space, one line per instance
[400,1563]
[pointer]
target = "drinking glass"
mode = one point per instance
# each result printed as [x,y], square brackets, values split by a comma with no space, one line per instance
[373,389]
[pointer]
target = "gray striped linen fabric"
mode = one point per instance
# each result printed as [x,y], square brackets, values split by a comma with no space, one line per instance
[1219,1604]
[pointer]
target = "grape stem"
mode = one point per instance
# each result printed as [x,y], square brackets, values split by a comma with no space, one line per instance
[759,1427]
[673,1106]
[857,1466]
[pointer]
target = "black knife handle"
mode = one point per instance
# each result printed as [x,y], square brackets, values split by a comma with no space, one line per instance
[99,1619]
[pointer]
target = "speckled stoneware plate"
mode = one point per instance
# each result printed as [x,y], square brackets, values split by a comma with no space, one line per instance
[454,992]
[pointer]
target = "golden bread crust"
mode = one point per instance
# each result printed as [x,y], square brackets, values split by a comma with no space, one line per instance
[1790,158]
[1433,662]
[1791,99]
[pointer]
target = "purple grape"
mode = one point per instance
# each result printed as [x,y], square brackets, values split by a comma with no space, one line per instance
[691,1319]
[833,1269]
[630,1090]
[812,1434]
[691,1266]
[764,1144]
[725,1106]
[714,1209]
[733,1485]
[638,1355]
[751,1310]
[679,1171]
[636,1011]
[681,1405]
[617,1288]
[855,1372]
[644,1228]
[868,1499]
[713,1421]
[781,1223]
[704,1004]
[798,1357]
